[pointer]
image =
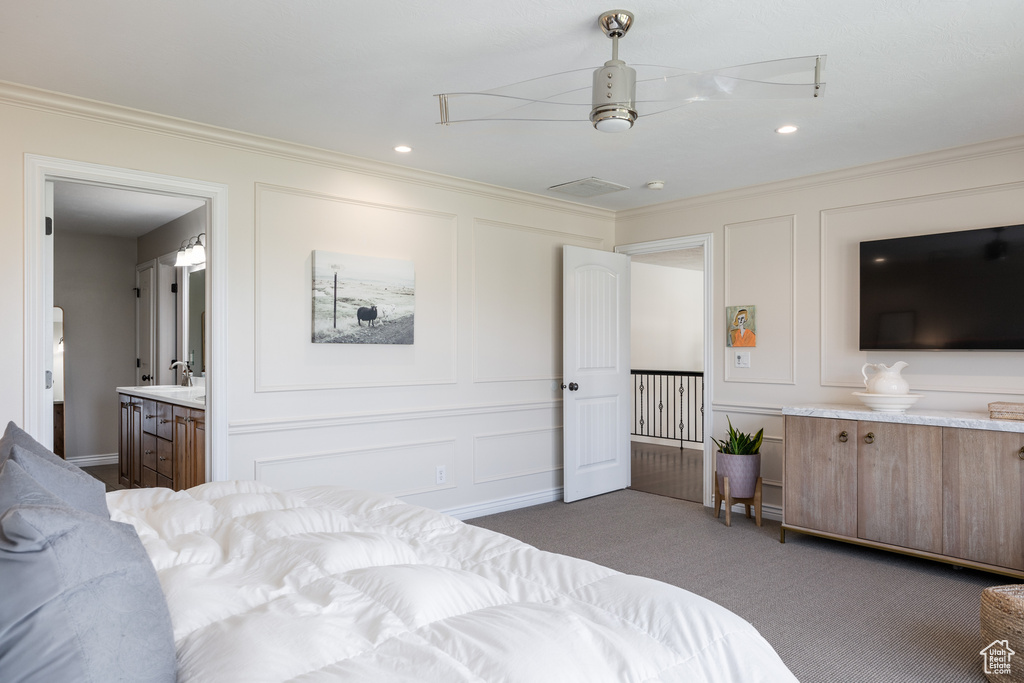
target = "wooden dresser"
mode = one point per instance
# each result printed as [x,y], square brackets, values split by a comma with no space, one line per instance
[941,485]
[161,439]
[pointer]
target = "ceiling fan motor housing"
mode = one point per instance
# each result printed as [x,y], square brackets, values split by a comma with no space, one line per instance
[614,97]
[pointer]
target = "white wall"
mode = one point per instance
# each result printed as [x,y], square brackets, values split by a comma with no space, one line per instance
[477,393]
[790,248]
[94,280]
[666,318]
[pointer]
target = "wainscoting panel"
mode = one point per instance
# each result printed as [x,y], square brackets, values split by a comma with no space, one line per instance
[759,271]
[515,454]
[398,469]
[286,358]
[842,230]
[517,333]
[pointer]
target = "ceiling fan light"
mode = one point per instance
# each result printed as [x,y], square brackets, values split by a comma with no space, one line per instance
[613,120]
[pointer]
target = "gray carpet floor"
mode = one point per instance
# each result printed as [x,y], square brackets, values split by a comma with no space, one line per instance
[833,611]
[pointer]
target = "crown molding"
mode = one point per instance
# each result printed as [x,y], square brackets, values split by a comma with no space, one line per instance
[965,153]
[15,94]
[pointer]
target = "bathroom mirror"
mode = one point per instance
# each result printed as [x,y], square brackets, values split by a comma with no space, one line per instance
[195,350]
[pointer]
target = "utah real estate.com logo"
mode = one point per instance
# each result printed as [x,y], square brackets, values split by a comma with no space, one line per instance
[997,658]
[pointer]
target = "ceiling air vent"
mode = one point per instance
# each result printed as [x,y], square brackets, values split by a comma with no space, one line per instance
[587,187]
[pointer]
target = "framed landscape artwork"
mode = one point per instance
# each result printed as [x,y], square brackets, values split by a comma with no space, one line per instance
[362,299]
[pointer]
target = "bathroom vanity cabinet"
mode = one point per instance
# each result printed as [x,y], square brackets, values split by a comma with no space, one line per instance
[161,442]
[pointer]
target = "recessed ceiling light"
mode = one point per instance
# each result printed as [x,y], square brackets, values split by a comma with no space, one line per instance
[786,130]
[403,149]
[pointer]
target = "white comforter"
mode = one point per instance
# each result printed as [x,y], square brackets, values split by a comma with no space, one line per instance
[325,584]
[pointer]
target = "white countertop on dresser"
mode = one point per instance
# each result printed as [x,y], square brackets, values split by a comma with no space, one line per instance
[938,418]
[188,397]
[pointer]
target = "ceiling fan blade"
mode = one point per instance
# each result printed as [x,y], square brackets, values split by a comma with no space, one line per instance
[567,96]
[660,88]
[563,96]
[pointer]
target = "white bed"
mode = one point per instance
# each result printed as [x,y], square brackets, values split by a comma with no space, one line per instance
[325,584]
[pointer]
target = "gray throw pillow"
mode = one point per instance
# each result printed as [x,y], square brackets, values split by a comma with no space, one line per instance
[81,599]
[16,436]
[87,494]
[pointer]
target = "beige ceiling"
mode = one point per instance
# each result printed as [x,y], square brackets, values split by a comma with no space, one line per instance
[903,77]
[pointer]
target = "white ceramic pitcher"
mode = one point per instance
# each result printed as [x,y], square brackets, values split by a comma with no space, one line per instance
[885,380]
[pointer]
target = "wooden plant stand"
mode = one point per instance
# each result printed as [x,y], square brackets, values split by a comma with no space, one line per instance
[729,500]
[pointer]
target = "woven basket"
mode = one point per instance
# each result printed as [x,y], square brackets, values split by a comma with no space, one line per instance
[1001,410]
[1002,618]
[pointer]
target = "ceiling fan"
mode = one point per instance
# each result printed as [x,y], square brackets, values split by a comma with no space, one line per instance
[618,95]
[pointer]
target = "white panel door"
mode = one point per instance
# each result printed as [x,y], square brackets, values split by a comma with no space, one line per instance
[145,322]
[595,368]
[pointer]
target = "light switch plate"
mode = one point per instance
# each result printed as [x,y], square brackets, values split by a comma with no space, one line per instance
[743,359]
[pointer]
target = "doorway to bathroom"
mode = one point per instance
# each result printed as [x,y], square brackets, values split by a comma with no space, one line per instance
[96,271]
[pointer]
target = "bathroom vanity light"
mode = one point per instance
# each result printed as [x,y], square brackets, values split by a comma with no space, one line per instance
[191,253]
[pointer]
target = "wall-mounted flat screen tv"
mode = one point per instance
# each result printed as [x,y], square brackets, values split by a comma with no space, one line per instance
[954,290]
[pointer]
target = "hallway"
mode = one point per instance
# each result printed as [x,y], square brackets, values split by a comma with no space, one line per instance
[668,471]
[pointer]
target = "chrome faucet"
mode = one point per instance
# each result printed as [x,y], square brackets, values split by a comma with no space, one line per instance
[186,372]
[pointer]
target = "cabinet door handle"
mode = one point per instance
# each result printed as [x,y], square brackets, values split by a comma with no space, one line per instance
[1020,453]
[869,437]
[150,417]
[163,422]
[150,452]
[843,437]
[161,459]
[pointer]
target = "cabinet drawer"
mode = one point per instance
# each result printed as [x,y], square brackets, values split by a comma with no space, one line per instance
[163,481]
[165,421]
[148,478]
[165,458]
[149,416]
[149,451]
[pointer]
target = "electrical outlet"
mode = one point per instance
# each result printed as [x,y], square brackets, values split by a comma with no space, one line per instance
[743,359]
[441,475]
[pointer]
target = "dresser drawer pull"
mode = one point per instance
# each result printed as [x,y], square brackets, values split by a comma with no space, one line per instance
[869,437]
[163,422]
[150,417]
[843,437]
[150,452]
[1020,453]
[161,458]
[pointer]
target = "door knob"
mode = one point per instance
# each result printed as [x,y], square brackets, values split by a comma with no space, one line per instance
[573,386]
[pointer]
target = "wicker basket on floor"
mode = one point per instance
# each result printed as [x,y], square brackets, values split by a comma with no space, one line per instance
[1002,619]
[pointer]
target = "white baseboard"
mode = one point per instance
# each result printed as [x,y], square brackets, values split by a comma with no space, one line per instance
[493,507]
[505,504]
[93,460]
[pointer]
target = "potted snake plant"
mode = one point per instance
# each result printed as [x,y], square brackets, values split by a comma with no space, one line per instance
[739,458]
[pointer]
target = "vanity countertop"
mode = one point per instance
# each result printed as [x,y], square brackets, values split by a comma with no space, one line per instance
[188,397]
[938,418]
